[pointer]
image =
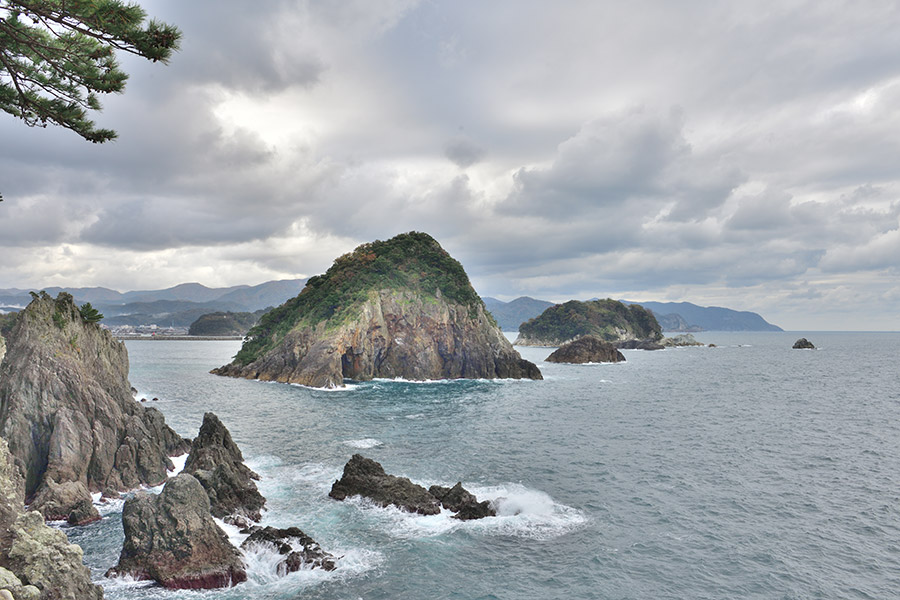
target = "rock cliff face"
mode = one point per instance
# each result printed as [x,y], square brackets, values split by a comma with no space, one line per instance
[67,412]
[172,539]
[218,464]
[37,561]
[396,309]
[588,349]
[608,320]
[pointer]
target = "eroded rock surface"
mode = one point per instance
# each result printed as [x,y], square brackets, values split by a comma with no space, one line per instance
[677,341]
[587,349]
[172,539]
[367,478]
[803,344]
[298,549]
[38,557]
[218,464]
[402,308]
[67,412]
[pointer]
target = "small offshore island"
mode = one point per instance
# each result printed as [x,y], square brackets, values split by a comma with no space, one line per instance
[401,308]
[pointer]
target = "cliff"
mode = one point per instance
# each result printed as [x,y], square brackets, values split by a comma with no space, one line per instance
[608,320]
[67,412]
[398,308]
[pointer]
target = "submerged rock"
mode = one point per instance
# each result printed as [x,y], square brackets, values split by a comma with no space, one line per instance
[172,539]
[638,345]
[587,349]
[402,308]
[217,463]
[67,411]
[803,344]
[299,550]
[365,477]
[462,502]
[684,339]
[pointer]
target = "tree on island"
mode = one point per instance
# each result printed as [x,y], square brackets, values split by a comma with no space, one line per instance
[57,55]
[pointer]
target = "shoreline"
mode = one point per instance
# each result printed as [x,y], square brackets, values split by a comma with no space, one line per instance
[181,338]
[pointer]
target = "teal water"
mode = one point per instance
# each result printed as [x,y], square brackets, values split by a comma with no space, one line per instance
[749,470]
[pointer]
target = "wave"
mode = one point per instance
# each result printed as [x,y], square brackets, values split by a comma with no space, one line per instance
[363,444]
[521,512]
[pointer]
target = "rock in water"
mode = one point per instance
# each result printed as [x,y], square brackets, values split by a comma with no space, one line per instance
[400,308]
[462,502]
[684,339]
[298,549]
[803,344]
[172,539]
[217,463]
[365,477]
[587,349]
[67,411]
[609,320]
[38,557]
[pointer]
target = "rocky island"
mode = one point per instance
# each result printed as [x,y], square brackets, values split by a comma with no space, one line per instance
[587,349]
[401,308]
[608,320]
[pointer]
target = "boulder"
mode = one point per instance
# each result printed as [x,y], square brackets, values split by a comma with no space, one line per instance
[587,349]
[462,502]
[217,463]
[41,556]
[67,411]
[365,477]
[803,344]
[172,539]
[298,549]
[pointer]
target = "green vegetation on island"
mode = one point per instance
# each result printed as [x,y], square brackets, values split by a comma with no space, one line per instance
[409,261]
[225,323]
[608,320]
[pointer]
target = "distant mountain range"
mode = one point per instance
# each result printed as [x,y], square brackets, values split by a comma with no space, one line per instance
[672,316]
[181,305]
[177,306]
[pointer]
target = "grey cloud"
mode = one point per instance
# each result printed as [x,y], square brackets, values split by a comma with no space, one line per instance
[463,152]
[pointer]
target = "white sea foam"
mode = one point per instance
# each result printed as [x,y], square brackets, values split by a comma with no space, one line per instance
[346,387]
[521,512]
[364,443]
[178,462]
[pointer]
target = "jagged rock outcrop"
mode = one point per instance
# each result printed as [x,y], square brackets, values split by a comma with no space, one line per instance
[402,308]
[67,411]
[677,341]
[609,320]
[2,347]
[37,561]
[217,463]
[587,349]
[365,477]
[462,502]
[298,549]
[803,344]
[172,539]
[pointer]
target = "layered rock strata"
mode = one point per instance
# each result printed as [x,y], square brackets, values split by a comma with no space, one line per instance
[587,349]
[67,412]
[218,464]
[396,309]
[298,549]
[38,561]
[172,539]
[367,478]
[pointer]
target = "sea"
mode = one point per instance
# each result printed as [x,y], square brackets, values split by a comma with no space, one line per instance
[744,470]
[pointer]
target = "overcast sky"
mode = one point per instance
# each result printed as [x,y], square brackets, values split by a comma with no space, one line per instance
[740,154]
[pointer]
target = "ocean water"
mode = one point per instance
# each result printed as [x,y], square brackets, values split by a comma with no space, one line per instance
[748,470]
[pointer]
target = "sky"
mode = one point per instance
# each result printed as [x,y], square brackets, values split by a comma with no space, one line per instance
[737,154]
